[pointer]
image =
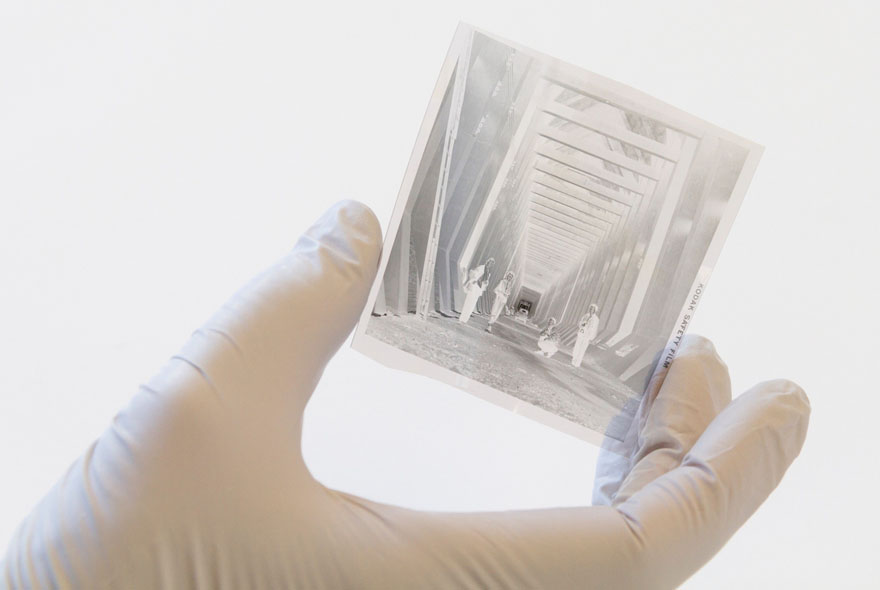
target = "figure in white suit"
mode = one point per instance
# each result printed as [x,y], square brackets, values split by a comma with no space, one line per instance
[502,293]
[588,327]
[474,285]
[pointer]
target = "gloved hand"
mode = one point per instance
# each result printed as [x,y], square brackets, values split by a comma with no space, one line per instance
[200,481]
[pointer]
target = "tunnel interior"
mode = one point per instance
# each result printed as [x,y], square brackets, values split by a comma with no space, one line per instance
[585,197]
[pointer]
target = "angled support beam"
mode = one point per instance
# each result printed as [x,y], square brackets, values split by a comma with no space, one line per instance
[424,301]
[523,130]
[655,244]
[574,285]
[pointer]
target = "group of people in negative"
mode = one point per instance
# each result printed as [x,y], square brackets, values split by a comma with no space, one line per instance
[477,280]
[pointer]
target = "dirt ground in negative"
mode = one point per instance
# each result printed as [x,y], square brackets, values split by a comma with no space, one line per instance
[505,360]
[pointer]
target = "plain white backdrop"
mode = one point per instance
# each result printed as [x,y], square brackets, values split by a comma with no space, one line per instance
[154,155]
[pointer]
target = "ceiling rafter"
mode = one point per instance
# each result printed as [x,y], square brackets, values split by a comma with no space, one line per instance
[581,223]
[585,167]
[601,152]
[553,233]
[599,125]
[581,194]
[589,217]
[567,175]
[547,221]
[548,192]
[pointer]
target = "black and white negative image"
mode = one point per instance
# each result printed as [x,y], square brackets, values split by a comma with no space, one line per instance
[554,227]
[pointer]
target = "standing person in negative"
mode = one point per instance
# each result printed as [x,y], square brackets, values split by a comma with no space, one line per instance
[502,294]
[588,327]
[474,285]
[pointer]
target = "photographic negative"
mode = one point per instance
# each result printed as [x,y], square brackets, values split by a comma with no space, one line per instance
[553,234]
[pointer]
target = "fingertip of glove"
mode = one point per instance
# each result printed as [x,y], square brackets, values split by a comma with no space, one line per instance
[781,406]
[696,344]
[700,349]
[788,393]
[359,218]
[791,404]
[350,230]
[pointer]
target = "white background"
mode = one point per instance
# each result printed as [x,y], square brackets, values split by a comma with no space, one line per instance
[154,155]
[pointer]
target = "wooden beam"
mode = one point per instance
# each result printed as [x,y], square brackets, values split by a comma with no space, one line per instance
[586,205]
[563,216]
[568,230]
[621,96]
[545,258]
[655,244]
[519,141]
[603,153]
[579,193]
[594,204]
[558,249]
[575,163]
[559,263]
[542,265]
[566,174]
[425,297]
[544,261]
[601,125]
[555,237]
[564,225]
[598,223]
[550,241]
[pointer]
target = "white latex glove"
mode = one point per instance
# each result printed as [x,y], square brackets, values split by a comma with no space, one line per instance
[200,481]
